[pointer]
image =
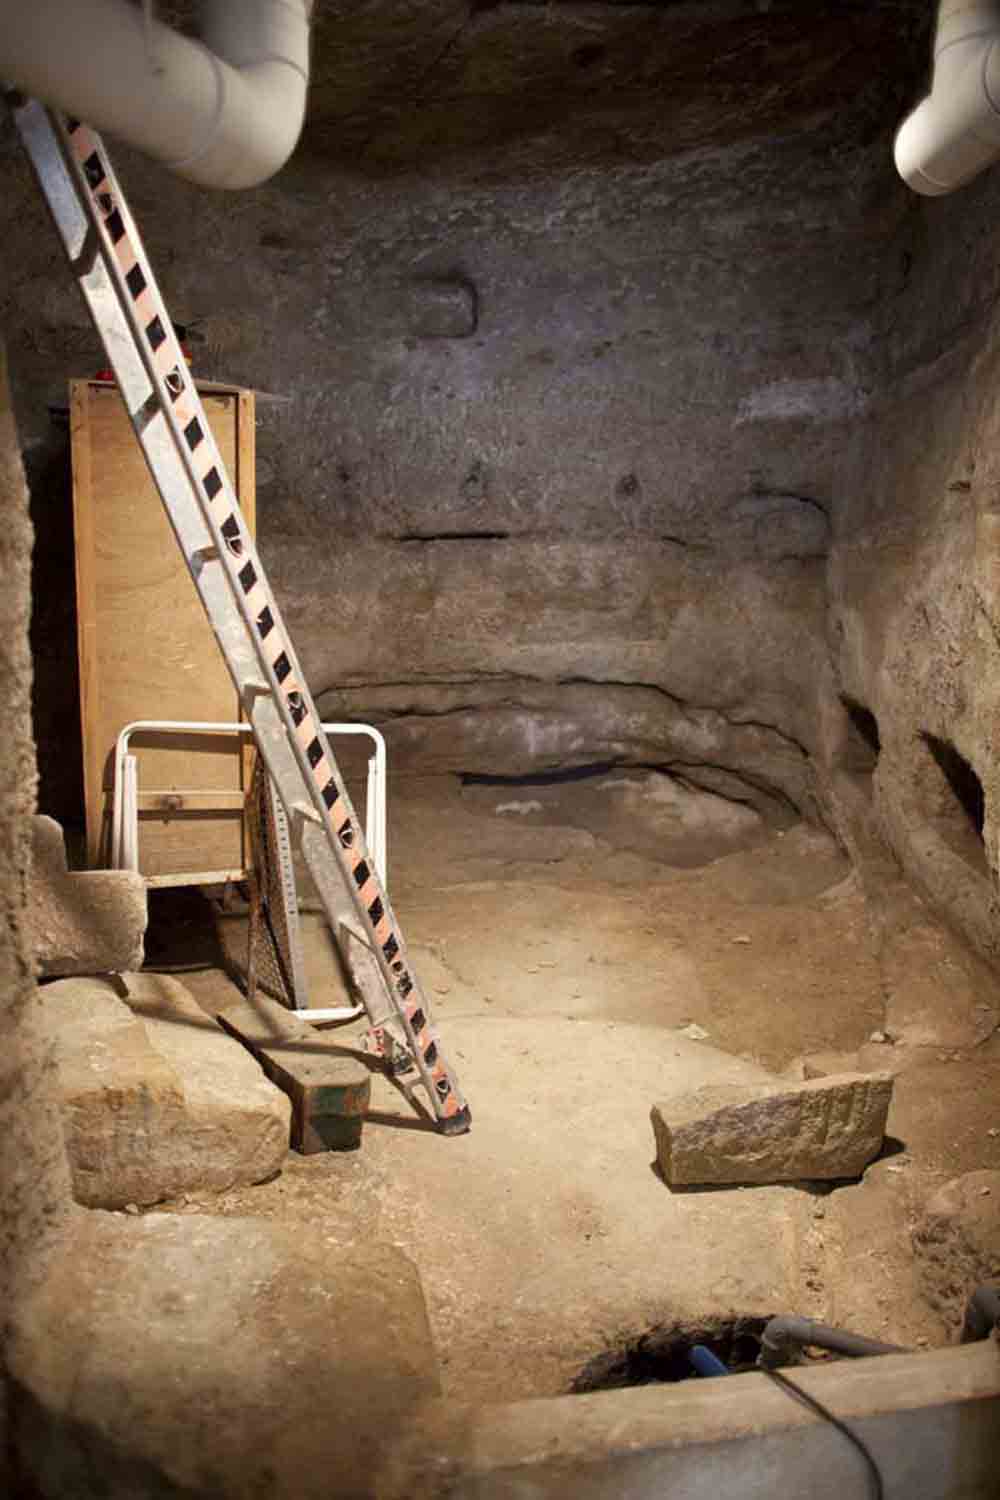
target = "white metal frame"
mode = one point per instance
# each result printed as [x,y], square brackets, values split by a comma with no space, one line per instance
[125,790]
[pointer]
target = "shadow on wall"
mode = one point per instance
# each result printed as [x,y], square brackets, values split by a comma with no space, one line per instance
[862,742]
[955,801]
[55,688]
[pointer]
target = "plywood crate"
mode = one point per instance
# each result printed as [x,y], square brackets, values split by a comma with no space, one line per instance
[146,648]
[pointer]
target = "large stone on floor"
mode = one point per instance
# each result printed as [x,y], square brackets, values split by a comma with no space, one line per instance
[824,1128]
[91,922]
[238,1359]
[156,1099]
[957,1242]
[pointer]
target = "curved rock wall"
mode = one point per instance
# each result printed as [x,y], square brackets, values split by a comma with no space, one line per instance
[655,427]
[914,580]
[550,476]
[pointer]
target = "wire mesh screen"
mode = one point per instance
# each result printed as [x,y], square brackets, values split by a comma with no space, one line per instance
[273,960]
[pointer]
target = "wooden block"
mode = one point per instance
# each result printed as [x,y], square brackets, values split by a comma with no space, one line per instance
[329,1087]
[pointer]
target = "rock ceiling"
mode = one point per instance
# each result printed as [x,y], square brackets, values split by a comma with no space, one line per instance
[508,86]
[504,87]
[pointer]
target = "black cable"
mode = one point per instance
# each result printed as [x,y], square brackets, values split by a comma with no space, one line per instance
[798,1394]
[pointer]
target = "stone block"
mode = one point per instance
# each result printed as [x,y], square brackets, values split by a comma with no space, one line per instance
[824,1128]
[91,922]
[238,1359]
[957,1242]
[156,1100]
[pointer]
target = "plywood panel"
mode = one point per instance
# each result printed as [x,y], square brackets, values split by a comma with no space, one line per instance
[146,648]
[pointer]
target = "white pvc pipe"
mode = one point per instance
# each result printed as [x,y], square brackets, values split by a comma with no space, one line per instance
[227,114]
[955,131]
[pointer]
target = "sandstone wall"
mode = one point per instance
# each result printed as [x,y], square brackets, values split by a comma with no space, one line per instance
[34,1175]
[551,475]
[618,411]
[914,583]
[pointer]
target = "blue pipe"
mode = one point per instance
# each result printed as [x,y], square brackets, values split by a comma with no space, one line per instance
[705,1362]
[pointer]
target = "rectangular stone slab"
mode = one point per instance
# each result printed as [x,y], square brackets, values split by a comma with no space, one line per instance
[734,1133]
[155,1099]
[86,922]
[329,1091]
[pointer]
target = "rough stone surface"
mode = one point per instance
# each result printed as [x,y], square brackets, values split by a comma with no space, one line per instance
[594,528]
[689,480]
[90,922]
[824,1128]
[168,1356]
[34,1175]
[957,1242]
[156,1099]
[913,582]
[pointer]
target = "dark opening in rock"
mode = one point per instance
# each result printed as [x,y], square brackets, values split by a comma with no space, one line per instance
[588,54]
[962,806]
[537,778]
[662,1355]
[862,742]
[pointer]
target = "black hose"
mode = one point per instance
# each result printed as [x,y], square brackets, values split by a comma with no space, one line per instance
[783,1336]
[982,1314]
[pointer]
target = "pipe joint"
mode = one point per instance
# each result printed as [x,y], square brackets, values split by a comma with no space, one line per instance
[954,133]
[225,113]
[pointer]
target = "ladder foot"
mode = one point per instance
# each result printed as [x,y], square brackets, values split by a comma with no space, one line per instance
[456,1124]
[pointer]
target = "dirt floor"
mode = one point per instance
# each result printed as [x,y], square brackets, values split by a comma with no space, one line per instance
[588,950]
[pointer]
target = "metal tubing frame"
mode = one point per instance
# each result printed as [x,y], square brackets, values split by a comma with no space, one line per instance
[124,841]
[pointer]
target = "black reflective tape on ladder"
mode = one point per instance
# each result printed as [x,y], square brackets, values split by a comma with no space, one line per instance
[232,536]
[136,282]
[296,707]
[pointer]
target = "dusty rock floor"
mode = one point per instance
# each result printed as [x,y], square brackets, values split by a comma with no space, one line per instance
[567,956]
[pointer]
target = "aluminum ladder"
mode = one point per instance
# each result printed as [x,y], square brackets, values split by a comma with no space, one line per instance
[108,261]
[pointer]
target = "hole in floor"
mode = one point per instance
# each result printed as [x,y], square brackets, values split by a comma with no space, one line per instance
[959,806]
[862,743]
[663,1355]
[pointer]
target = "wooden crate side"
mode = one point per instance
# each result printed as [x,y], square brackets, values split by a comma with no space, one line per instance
[146,646]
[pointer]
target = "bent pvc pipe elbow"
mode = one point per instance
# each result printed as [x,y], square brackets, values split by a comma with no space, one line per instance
[226,118]
[954,133]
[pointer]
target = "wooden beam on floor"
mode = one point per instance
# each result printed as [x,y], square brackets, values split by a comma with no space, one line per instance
[329,1085]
